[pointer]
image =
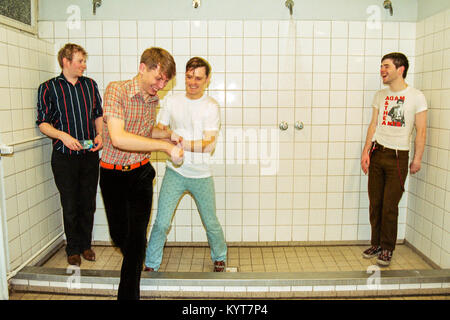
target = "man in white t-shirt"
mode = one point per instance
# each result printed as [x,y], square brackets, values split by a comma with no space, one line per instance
[195,117]
[396,111]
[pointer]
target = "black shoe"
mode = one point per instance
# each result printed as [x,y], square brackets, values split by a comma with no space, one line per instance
[373,251]
[219,266]
[385,257]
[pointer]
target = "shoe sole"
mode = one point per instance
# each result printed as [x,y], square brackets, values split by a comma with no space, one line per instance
[369,256]
[383,263]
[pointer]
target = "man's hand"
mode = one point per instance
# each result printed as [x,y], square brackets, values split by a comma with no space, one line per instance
[414,167]
[176,139]
[365,162]
[98,142]
[70,142]
[176,155]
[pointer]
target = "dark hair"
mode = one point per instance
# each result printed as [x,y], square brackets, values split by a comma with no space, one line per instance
[399,60]
[154,57]
[197,62]
[68,51]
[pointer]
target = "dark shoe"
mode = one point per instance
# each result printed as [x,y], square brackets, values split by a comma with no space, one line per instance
[384,258]
[74,260]
[89,255]
[148,269]
[219,266]
[373,251]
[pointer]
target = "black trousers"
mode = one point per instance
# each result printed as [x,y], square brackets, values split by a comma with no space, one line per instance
[127,196]
[76,177]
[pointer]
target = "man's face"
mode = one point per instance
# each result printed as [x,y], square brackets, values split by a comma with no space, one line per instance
[196,82]
[153,80]
[389,72]
[76,67]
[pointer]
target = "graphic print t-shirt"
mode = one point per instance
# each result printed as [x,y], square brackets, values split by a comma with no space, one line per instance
[396,115]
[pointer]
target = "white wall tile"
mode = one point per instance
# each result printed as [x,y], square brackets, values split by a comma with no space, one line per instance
[357,29]
[252,29]
[269,29]
[216,28]
[234,28]
[128,29]
[145,29]
[163,29]
[94,29]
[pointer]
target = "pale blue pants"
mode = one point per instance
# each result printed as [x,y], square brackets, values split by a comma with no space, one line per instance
[172,188]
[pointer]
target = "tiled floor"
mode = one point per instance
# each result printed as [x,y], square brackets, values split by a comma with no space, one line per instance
[246,259]
[256,259]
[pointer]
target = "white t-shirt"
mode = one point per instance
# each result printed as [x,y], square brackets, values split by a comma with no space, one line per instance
[396,116]
[189,119]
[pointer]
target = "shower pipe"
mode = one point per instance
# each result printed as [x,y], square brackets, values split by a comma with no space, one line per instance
[23,265]
[27,140]
[7,149]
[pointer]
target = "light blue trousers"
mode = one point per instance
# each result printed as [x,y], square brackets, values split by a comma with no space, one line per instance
[172,188]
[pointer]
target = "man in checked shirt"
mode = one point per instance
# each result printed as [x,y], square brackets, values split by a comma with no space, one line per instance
[69,110]
[126,175]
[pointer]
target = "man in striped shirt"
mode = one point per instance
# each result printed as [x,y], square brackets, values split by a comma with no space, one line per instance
[126,175]
[69,111]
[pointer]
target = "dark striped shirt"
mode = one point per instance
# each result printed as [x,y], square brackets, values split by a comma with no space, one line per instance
[70,108]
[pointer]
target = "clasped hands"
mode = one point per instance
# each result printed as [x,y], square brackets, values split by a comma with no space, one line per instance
[177,151]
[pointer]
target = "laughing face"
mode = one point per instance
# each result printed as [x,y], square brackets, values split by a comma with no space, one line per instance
[196,82]
[389,72]
[152,80]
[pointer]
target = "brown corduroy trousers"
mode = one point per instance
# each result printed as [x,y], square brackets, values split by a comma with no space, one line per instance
[387,174]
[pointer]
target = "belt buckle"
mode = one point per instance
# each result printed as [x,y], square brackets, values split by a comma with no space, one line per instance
[126,168]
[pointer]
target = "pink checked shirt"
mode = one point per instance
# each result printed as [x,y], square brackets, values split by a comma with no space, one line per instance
[123,100]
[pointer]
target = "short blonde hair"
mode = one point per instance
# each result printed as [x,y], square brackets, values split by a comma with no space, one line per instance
[154,57]
[68,51]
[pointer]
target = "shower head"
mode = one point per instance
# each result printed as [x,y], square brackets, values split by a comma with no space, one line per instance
[290,5]
[387,4]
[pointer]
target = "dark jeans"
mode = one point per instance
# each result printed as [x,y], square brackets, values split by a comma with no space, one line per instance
[387,175]
[127,196]
[76,177]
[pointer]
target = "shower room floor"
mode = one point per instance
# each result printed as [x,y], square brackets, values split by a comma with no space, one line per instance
[255,259]
[291,272]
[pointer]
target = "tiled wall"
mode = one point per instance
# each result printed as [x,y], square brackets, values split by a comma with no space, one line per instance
[428,218]
[32,202]
[322,73]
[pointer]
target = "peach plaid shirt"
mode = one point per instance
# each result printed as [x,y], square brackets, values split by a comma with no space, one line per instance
[123,100]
